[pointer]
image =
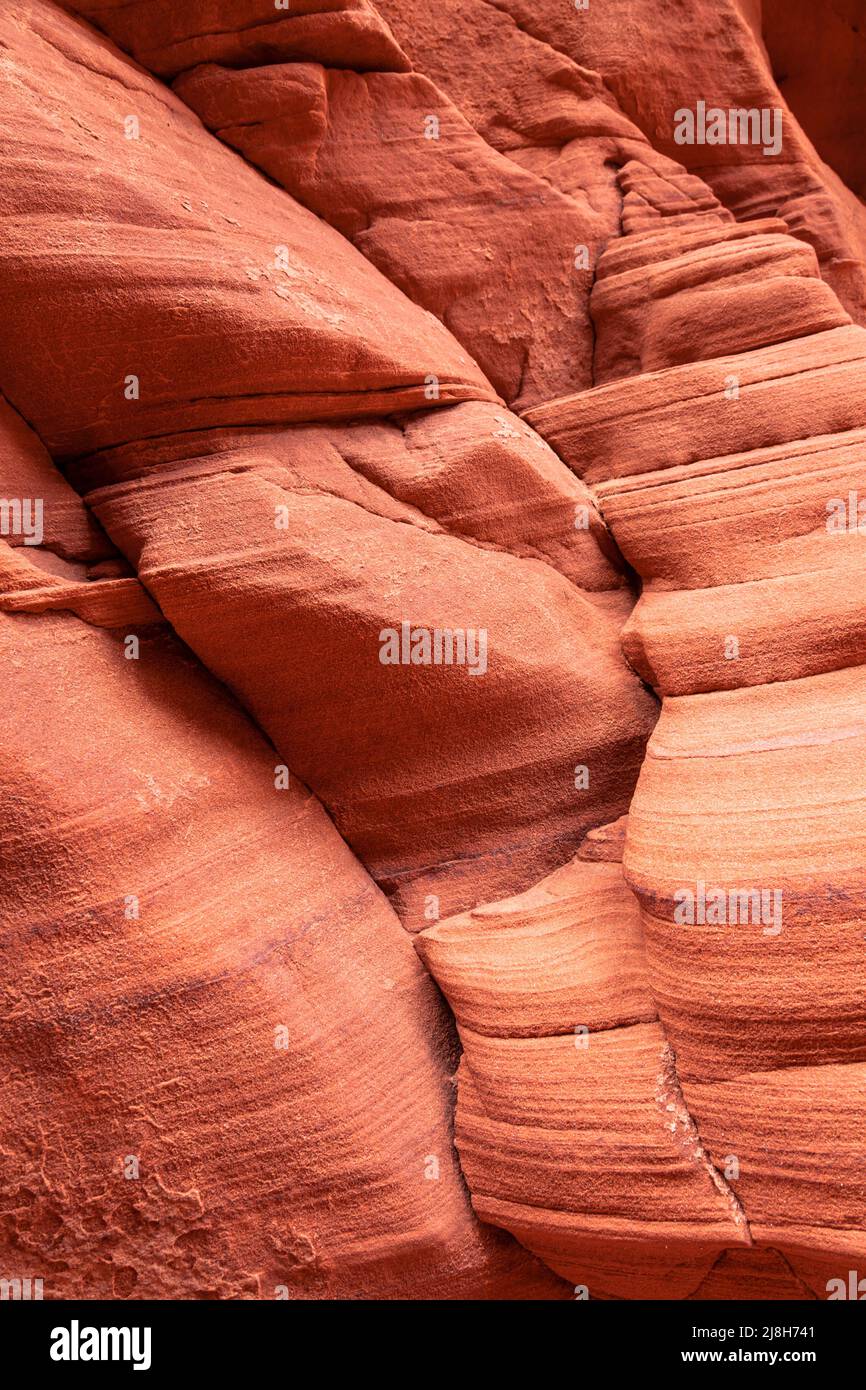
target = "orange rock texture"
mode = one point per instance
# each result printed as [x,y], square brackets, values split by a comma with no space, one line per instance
[432,554]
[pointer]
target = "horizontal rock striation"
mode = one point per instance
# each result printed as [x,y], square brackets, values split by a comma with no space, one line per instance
[728,485]
[300,559]
[217,370]
[190,292]
[288,590]
[571,1124]
[718,58]
[364,360]
[196,975]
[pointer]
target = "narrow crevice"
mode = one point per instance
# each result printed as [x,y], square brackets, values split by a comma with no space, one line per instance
[675,1112]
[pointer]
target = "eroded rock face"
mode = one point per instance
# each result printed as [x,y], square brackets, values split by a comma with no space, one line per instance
[306,587]
[196,975]
[389,162]
[716,56]
[168,38]
[176,289]
[366,359]
[595,1164]
[742,836]
[819,62]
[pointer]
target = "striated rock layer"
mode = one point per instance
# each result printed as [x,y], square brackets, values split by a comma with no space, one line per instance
[275,1114]
[282,555]
[365,358]
[225,1072]
[595,1164]
[449,782]
[728,484]
[181,291]
[715,55]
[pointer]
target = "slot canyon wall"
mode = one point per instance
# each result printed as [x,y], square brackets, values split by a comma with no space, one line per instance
[433,619]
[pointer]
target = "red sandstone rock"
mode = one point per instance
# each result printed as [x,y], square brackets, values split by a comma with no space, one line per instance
[192,293]
[288,588]
[389,162]
[732,500]
[168,38]
[818,54]
[715,56]
[274,394]
[597,1166]
[196,977]
[528,100]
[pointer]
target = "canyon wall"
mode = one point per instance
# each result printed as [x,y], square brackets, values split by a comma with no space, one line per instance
[427,567]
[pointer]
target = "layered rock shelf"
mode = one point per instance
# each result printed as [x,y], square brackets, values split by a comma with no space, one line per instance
[432,609]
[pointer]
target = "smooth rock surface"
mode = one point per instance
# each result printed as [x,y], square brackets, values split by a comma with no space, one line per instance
[225,1072]
[731,485]
[364,360]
